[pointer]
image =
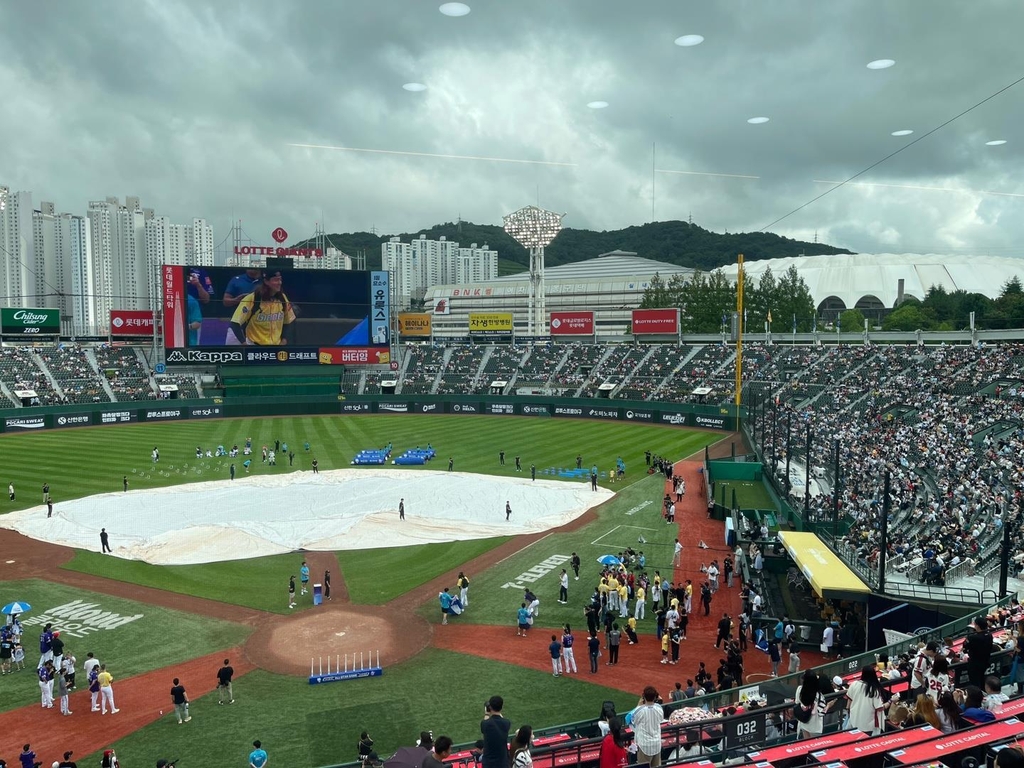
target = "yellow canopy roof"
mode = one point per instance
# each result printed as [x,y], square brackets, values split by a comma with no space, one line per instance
[827,574]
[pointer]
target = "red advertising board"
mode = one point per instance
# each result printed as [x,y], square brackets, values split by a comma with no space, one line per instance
[131,322]
[354,356]
[572,323]
[806,747]
[175,307]
[960,741]
[887,742]
[655,321]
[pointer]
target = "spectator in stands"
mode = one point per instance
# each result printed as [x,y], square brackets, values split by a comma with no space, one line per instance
[866,702]
[811,704]
[994,696]
[495,728]
[647,718]
[971,700]
[613,746]
[1010,757]
[519,750]
[948,711]
[978,647]
[441,751]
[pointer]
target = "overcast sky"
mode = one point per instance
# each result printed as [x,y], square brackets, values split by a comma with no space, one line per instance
[193,106]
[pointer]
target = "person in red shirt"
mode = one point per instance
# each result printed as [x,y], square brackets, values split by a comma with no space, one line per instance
[613,748]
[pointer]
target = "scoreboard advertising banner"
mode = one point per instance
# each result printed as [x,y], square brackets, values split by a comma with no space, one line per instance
[651,321]
[572,323]
[16,321]
[272,316]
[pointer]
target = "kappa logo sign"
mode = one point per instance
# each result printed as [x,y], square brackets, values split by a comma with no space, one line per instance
[180,356]
[538,571]
[79,618]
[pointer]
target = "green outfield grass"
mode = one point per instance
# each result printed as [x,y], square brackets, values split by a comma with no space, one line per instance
[302,725]
[495,595]
[126,650]
[82,462]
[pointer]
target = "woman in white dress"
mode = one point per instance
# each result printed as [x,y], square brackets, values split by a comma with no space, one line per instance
[866,704]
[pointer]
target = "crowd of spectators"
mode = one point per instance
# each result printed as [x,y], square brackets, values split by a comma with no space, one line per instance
[953,451]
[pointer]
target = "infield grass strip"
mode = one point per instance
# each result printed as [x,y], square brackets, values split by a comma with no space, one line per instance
[376,576]
[302,725]
[159,637]
[260,583]
[634,513]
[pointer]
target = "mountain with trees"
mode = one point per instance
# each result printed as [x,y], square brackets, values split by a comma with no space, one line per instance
[674,242]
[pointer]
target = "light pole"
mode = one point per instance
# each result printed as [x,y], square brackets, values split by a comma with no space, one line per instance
[534,229]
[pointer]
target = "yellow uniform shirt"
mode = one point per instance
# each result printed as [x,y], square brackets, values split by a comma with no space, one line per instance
[613,583]
[105,679]
[266,320]
[623,593]
[641,594]
[664,643]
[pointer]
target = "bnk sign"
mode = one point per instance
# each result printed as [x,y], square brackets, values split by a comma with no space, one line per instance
[39,322]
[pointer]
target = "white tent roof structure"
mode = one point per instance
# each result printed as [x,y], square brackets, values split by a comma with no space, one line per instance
[857,278]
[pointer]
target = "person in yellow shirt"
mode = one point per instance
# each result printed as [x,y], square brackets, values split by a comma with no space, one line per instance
[631,631]
[664,647]
[623,601]
[264,317]
[602,590]
[613,593]
[641,603]
[106,691]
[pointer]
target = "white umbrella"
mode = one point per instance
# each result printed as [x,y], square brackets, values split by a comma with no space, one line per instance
[12,608]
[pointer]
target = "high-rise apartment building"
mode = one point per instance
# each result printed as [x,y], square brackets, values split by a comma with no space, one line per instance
[17,248]
[121,273]
[416,266]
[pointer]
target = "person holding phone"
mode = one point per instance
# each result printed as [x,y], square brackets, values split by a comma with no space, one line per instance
[495,729]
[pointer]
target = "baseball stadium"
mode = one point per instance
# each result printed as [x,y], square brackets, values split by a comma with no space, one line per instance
[315,534]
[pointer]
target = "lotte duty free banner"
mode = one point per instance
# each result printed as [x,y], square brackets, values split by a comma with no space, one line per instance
[232,315]
[650,321]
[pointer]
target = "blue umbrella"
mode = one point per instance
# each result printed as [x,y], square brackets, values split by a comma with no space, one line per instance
[609,560]
[12,608]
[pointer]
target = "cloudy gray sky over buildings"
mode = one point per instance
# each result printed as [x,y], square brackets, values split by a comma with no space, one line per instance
[197,107]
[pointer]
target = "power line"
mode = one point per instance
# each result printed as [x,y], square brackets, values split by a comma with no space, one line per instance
[893,154]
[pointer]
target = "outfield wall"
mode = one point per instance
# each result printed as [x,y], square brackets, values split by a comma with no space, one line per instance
[101,414]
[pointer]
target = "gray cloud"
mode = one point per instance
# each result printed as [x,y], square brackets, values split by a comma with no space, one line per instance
[192,106]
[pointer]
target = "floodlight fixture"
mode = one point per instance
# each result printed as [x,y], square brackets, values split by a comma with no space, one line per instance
[534,228]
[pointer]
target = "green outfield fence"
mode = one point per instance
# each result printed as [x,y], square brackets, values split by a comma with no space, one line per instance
[98,414]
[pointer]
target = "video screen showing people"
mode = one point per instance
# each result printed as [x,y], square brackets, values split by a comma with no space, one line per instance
[270,306]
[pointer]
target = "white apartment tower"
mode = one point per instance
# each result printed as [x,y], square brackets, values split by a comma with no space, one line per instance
[121,274]
[17,248]
[416,266]
[62,268]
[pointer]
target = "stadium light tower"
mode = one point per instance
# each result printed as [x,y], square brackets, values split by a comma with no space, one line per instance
[534,229]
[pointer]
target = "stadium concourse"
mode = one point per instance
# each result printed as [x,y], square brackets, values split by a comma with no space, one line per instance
[329,511]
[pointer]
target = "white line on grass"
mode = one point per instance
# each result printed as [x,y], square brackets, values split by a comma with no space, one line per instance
[523,549]
[606,533]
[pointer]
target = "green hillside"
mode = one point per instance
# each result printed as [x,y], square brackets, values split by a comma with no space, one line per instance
[675,242]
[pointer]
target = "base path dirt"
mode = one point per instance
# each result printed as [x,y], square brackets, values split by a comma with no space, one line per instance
[139,699]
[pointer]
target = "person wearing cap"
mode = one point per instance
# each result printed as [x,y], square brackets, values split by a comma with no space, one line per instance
[264,317]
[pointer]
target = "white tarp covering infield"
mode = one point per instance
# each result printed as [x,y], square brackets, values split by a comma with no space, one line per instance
[337,510]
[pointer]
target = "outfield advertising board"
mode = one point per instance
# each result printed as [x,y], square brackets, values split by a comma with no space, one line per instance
[20,321]
[82,416]
[655,321]
[572,323]
[72,420]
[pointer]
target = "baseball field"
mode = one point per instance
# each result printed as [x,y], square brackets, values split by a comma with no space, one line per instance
[151,623]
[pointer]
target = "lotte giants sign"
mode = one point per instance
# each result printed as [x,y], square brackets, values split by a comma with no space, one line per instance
[651,321]
[572,323]
[131,322]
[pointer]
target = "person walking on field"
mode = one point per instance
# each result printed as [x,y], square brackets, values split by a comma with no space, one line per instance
[180,700]
[291,591]
[304,577]
[104,541]
[224,675]
[125,481]
[563,587]
[401,509]
[508,510]
[568,655]
[327,585]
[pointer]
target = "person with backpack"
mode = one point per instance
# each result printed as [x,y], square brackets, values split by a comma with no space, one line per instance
[809,707]
[264,317]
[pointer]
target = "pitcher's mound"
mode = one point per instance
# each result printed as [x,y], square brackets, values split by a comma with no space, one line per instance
[286,644]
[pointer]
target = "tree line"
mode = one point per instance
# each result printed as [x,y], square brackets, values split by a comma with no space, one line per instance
[706,301]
